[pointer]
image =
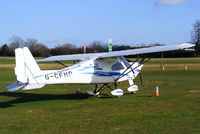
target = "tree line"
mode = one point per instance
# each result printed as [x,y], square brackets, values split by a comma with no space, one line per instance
[41,50]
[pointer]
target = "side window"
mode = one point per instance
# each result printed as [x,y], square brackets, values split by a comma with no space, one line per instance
[117,66]
[127,64]
[98,65]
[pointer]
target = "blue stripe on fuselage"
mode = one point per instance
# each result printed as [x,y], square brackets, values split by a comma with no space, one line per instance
[105,73]
[137,70]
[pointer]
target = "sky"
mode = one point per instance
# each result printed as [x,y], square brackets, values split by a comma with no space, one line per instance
[128,22]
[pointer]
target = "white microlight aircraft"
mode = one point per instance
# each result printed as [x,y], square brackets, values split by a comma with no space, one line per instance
[107,69]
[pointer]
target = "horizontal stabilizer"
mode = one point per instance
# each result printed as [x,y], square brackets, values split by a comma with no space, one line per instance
[33,86]
[15,86]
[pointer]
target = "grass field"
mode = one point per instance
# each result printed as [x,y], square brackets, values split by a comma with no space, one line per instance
[55,109]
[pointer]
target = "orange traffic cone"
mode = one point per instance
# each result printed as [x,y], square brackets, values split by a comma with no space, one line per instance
[157,92]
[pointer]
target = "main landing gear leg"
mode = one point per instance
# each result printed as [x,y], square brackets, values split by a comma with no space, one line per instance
[133,88]
[96,91]
[116,92]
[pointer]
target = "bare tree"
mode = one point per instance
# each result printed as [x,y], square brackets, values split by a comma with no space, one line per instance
[36,48]
[31,44]
[196,36]
[66,48]
[41,51]
[97,46]
[16,42]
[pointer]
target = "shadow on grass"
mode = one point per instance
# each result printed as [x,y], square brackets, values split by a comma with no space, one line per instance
[146,96]
[105,96]
[31,97]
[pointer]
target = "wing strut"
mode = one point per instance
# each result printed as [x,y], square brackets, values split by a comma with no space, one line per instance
[61,63]
[120,76]
[141,61]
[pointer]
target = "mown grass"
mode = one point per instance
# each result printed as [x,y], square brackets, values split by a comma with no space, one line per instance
[7,60]
[56,109]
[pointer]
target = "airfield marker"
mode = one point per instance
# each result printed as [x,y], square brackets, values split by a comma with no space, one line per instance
[186,68]
[78,91]
[157,91]
[109,45]
[162,68]
[84,47]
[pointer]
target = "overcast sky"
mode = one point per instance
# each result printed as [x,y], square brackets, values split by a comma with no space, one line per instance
[54,22]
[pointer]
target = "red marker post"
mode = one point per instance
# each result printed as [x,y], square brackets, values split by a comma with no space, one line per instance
[84,47]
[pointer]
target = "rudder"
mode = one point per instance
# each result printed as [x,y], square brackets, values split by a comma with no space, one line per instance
[26,66]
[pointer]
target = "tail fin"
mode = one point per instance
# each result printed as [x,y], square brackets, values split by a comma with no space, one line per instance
[26,68]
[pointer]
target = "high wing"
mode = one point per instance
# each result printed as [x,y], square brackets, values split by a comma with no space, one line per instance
[119,53]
